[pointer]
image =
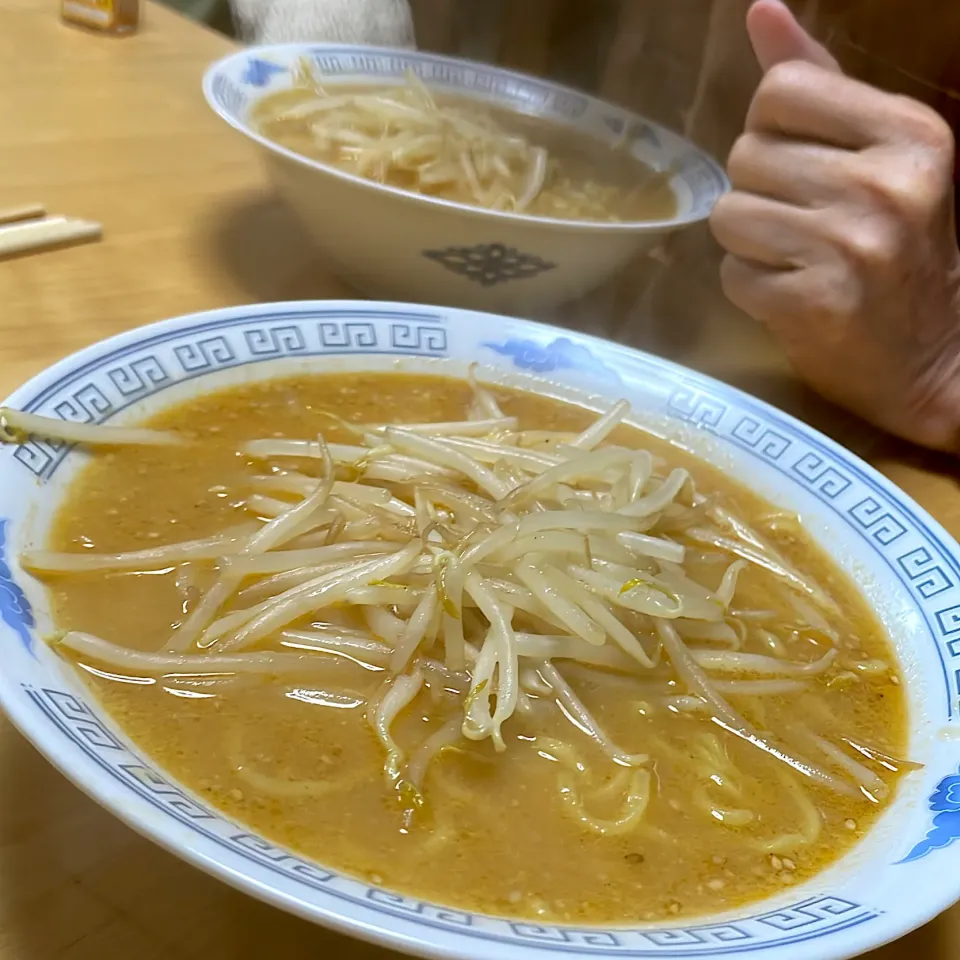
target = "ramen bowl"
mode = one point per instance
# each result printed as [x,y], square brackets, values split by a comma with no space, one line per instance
[392,243]
[903,872]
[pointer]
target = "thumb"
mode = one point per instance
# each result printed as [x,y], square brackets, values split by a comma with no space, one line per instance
[777,37]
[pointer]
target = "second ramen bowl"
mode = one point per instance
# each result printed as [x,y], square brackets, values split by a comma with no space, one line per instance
[391,243]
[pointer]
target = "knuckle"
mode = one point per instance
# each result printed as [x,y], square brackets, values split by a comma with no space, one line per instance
[927,128]
[742,158]
[908,192]
[784,79]
[723,218]
[874,243]
[734,282]
[723,209]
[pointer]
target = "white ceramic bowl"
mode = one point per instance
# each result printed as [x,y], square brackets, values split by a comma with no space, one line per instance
[391,243]
[905,871]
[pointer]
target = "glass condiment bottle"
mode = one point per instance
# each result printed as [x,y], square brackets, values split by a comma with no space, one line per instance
[117,17]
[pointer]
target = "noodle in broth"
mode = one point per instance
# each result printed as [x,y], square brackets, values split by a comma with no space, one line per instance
[504,655]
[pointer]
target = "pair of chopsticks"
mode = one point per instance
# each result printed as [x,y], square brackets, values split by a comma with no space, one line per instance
[28,228]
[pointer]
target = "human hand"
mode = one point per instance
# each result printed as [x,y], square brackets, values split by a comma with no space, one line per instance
[840,235]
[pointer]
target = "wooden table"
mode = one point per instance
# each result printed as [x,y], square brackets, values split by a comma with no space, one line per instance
[117,131]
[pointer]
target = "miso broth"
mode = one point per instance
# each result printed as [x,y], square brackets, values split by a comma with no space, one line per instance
[550,827]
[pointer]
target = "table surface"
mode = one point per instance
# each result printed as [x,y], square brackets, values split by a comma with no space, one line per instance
[116,130]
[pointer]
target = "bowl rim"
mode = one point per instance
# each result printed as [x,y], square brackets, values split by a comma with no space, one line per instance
[402,932]
[480,213]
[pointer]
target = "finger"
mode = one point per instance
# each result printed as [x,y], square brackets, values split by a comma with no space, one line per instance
[777,37]
[771,296]
[765,231]
[792,171]
[804,101]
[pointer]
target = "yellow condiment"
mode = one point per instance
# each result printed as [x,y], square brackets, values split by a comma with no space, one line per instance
[105,16]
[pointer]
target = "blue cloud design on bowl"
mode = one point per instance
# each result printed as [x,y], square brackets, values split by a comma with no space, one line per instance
[259,72]
[945,803]
[560,354]
[15,609]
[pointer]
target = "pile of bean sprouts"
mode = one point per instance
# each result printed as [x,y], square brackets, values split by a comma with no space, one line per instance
[485,560]
[403,136]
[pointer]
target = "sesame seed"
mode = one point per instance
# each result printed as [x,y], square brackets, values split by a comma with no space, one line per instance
[236,794]
[788,864]
[895,680]
[776,863]
[716,884]
[850,824]
[674,907]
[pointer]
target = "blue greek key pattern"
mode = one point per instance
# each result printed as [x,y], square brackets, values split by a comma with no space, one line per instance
[948,620]
[86,724]
[926,575]
[881,525]
[274,341]
[576,938]
[703,935]
[40,457]
[418,339]
[927,568]
[87,405]
[171,795]
[419,907]
[820,476]
[822,914]
[765,440]
[697,408]
[73,717]
[139,377]
[803,915]
[344,336]
[100,390]
[279,856]
[202,356]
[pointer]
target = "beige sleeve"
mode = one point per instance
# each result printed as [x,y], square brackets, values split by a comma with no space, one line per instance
[385,23]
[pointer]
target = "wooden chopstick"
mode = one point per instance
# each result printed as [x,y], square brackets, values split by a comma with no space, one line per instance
[28,211]
[23,237]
